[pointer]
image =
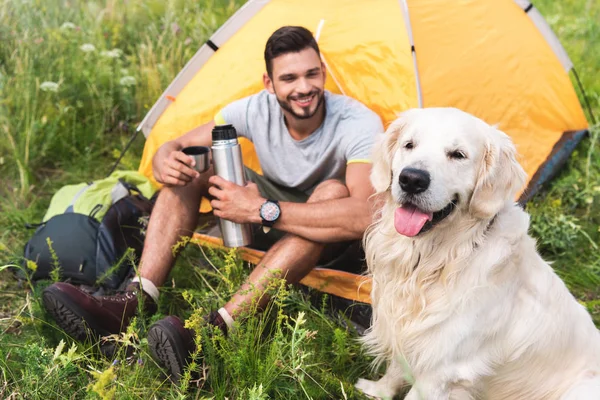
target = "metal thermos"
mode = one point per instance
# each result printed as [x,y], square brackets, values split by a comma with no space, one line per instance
[228,164]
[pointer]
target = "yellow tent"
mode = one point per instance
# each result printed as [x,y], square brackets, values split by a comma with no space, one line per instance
[496,59]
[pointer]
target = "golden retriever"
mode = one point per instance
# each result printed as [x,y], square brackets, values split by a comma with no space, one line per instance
[463,305]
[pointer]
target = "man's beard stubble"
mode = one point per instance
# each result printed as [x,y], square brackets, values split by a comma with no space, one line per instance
[286,105]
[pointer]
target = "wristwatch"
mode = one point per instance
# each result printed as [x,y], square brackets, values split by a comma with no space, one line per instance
[269,212]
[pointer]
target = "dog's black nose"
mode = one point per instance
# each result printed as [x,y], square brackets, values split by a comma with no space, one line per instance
[414,180]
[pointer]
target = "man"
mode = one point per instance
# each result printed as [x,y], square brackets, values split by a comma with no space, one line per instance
[313,148]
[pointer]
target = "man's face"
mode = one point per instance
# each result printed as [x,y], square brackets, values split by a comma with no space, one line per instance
[298,82]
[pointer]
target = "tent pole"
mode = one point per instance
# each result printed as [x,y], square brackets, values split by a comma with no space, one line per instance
[585,98]
[135,133]
[406,16]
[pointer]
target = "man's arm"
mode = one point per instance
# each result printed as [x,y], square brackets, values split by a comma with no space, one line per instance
[171,166]
[332,220]
[199,136]
[325,222]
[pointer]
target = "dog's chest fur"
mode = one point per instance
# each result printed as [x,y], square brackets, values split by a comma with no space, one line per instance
[421,324]
[425,295]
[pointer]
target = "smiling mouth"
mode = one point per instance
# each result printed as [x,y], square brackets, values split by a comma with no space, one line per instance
[410,221]
[304,101]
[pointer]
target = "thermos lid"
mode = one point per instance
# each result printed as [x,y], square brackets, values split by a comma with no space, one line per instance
[223,132]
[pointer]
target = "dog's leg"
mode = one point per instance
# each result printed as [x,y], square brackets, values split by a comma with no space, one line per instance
[461,393]
[388,386]
[425,389]
[453,381]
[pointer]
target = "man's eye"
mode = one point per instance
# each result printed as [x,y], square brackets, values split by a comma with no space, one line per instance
[457,155]
[409,145]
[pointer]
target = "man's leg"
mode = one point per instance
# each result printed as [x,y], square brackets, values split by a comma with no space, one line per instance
[290,258]
[174,215]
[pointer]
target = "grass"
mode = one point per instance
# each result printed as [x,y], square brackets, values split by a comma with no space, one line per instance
[566,216]
[75,78]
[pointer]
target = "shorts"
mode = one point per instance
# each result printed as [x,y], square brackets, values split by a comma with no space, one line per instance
[347,255]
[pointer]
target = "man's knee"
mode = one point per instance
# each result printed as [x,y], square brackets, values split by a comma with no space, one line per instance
[329,190]
[192,192]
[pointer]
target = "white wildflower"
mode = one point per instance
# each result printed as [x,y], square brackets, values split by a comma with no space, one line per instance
[127,81]
[67,25]
[87,48]
[552,19]
[114,53]
[48,86]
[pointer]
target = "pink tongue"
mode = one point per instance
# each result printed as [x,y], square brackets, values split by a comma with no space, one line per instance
[409,220]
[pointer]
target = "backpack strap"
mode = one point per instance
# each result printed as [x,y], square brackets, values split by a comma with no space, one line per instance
[119,191]
[122,189]
[34,226]
[131,187]
[95,210]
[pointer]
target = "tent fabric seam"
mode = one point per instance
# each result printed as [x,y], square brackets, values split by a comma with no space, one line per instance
[408,26]
[548,34]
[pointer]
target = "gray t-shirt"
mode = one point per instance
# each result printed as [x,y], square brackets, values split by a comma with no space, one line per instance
[345,136]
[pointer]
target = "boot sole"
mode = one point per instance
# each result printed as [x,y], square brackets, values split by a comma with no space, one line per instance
[71,318]
[168,349]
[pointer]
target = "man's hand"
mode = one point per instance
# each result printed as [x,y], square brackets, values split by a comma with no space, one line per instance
[240,204]
[172,167]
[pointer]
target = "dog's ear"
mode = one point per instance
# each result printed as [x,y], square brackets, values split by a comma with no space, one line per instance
[382,155]
[500,177]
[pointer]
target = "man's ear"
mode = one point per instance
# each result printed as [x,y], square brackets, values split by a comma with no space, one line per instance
[382,155]
[499,179]
[268,82]
[324,70]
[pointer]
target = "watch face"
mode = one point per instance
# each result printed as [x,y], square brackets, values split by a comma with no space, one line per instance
[269,211]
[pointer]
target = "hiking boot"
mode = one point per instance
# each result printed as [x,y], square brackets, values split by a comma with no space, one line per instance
[171,344]
[80,314]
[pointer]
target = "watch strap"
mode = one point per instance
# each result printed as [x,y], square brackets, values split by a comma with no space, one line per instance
[268,223]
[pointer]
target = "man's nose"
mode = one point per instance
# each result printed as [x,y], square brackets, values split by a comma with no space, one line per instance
[303,86]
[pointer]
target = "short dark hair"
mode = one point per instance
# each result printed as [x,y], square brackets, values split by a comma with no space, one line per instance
[288,39]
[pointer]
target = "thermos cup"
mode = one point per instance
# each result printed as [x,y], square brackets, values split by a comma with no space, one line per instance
[201,155]
[228,164]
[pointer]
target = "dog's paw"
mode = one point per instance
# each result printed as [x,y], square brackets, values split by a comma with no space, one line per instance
[373,389]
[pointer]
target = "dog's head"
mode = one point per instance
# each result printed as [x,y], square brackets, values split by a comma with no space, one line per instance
[438,162]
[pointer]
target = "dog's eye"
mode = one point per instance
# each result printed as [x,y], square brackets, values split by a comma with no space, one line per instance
[457,155]
[409,145]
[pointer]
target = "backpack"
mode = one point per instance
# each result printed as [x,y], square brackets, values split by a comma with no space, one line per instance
[92,233]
